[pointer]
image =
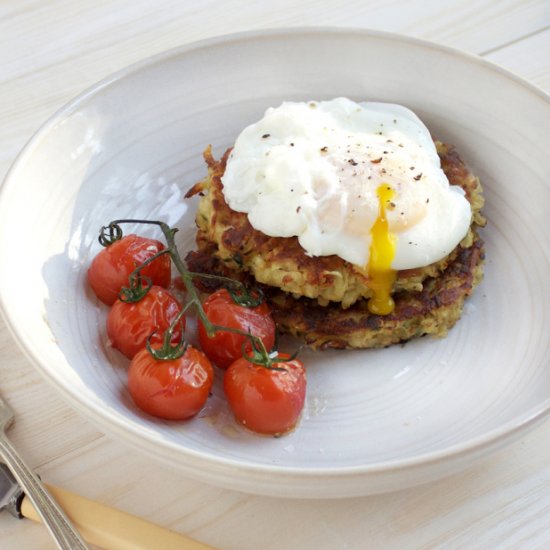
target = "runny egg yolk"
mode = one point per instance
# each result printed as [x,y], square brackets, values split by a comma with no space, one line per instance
[382,252]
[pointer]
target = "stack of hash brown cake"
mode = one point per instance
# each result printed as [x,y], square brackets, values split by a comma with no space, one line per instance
[323,300]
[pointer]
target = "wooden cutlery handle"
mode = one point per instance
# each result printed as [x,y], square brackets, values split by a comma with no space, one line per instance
[112,529]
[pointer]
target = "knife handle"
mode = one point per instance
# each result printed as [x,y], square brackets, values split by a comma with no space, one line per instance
[112,529]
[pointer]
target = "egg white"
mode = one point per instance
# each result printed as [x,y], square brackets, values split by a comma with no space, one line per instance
[311,170]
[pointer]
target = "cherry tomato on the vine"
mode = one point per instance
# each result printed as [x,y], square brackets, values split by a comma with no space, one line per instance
[225,347]
[266,400]
[129,324]
[173,389]
[111,268]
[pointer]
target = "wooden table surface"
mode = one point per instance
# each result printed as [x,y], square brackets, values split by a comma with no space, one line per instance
[52,50]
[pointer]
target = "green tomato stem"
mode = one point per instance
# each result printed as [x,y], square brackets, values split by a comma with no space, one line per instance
[187,277]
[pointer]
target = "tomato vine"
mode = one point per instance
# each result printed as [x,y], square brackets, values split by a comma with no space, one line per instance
[241,294]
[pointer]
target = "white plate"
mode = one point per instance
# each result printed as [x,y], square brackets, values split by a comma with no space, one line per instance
[374,420]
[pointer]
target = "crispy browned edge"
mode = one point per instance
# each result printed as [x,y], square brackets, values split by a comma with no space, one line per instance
[327,277]
[433,310]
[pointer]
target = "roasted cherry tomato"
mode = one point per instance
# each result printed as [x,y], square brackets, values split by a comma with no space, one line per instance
[225,347]
[173,389]
[111,268]
[129,324]
[266,400]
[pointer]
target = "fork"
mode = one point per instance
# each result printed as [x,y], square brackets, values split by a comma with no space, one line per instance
[59,526]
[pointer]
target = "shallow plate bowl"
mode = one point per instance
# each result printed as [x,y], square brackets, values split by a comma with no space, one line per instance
[374,421]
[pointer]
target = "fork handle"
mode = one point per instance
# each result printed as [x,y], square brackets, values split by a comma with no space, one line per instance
[53,517]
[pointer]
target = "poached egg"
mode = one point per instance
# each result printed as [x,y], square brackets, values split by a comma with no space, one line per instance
[362,181]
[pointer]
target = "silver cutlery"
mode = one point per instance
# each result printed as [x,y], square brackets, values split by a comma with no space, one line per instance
[100,525]
[24,496]
[65,535]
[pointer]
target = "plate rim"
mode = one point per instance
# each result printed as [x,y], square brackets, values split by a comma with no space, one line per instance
[104,418]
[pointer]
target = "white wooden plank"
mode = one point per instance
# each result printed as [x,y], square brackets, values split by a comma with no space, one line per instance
[52,51]
[527,58]
[46,33]
[49,51]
